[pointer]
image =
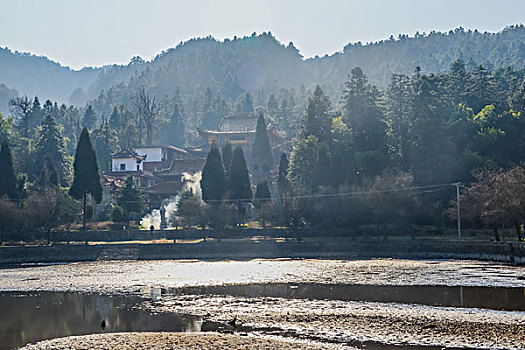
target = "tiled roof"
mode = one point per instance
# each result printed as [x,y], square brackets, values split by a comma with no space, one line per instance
[181,166]
[238,123]
[127,153]
[165,187]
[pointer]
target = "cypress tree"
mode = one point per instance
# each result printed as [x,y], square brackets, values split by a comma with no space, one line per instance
[51,144]
[239,182]
[86,176]
[227,157]
[213,182]
[261,149]
[262,193]
[8,182]
[282,182]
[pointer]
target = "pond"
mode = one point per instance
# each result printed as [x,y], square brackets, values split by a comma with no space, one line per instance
[31,317]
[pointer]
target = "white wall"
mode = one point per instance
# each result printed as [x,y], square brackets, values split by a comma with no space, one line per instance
[131,164]
[152,154]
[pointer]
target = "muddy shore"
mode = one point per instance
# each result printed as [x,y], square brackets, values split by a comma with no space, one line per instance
[334,323]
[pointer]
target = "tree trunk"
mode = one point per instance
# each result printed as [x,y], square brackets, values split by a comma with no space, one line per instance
[84,211]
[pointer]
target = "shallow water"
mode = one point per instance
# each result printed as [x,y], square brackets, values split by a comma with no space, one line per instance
[495,298]
[30,317]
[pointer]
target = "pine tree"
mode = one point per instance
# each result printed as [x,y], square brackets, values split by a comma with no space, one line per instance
[130,199]
[86,175]
[8,182]
[174,129]
[48,175]
[317,121]
[114,119]
[90,118]
[261,148]
[51,144]
[245,104]
[213,182]
[227,153]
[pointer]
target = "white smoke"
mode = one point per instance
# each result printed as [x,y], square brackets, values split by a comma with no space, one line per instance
[189,181]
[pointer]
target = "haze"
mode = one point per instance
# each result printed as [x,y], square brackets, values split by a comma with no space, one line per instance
[94,33]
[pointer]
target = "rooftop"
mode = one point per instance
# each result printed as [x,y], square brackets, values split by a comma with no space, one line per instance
[127,153]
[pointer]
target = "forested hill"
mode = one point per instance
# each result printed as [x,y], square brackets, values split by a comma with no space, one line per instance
[259,64]
[262,65]
[37,75]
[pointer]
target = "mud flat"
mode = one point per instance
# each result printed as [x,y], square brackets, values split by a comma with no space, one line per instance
[162,341]
[316,303]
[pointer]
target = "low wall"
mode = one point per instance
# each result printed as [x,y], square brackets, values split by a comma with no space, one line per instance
[247,249]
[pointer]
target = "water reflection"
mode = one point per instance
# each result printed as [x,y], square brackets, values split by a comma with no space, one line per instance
[27,318]
[495,298]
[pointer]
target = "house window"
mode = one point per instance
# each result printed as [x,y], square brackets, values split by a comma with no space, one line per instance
[237,138]
[122,166]
[138,167]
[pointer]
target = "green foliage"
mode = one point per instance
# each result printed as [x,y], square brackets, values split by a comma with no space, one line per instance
[317,121]
[262,194]
[117,214]
[86,178]
[303,160]
[130,199]
[51,145]
[49,175]
[227,153]
[8,182]
[239,188]
[90,118]
[213,182]
[261,148]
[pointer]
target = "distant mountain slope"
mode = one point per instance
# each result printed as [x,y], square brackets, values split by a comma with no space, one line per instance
[259,64]
[37,75]
[6,94]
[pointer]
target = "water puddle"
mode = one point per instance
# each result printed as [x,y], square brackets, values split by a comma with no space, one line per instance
[31,317]
[495,298]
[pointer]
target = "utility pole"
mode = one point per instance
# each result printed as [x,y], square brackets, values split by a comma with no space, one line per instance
[457,184]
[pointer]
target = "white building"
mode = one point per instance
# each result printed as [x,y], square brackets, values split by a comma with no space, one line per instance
[127,161]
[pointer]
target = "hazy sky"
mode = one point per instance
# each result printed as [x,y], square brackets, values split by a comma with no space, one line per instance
[96,32]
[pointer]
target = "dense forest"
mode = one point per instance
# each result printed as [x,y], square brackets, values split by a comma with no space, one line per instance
[354,138]
[258,64]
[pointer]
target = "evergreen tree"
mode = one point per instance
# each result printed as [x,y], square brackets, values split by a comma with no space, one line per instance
[48,175]
[90,118]
[322,172]
[174,130]
[130,199]
[86,175]
[51,144]
[239,188]
[212,182]
[261,148]
[114,119]
[303,160]
[362,114]
[262,194]
[239,183]
[282,181]
[105,145]
[245,104]
[36,113]
[317,121]
[227,152]
[8,182]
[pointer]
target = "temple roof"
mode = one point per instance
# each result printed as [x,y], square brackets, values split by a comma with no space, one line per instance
[127,153]
[165,188]
[181,166]
[238,124]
